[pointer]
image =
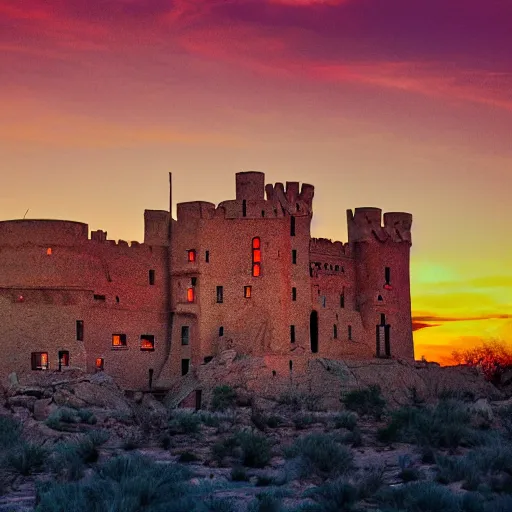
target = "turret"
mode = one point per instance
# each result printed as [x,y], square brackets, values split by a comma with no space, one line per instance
[382,256]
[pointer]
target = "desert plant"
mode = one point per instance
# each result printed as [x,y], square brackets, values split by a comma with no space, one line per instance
[239,474]
[255,449]
[10,431]
[346,420]
[320,454]
[26,458]
[336,496]
[188,457]
[265,502]
[368,401]
[184,422]
[223,397]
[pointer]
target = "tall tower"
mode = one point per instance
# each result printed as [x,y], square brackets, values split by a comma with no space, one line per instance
[383,294]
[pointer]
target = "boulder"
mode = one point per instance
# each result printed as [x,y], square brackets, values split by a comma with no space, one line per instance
[150,403]
[101,396]
[13,379]
[22,401]
[65,398]
[483,408]
[42,409]
[36,391]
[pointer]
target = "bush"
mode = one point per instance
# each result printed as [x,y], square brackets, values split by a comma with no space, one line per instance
[370,482]
[367,401]
[337,496]
[302,421]
[239,474]
[320,454]
[26,458]
[10,431]
[188,457]
[300,401]
[224,397]
[251,449]
[346,420]
[420,497]
[183,422]
[445,426]
[265,502]
[63,416]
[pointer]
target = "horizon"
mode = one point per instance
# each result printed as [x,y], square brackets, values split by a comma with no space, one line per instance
[406,107]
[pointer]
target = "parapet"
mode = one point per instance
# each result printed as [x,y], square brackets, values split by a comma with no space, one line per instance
[156,227]
[365,225]
[324,246]
[195,210]
[290,200]
[43,232]
[250,186]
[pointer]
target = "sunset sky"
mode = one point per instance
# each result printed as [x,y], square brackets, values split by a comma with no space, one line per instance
[401,104]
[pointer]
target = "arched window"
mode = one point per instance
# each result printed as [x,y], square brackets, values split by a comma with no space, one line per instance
[256,257]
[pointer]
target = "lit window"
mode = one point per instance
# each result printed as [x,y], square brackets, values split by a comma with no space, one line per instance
[191,255]
[147,342]
[63,358]
[39,360]
[256,257]
[49,251]
[190,295]
[119,340]
[247,292]
[185,334]
[220,294]
[100,362]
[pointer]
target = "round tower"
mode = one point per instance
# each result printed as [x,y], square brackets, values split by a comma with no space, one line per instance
[382,261]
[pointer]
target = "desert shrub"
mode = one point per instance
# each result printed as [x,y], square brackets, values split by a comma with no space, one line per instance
[132,440]
[368,401]
[409,474]
[302,421]
[123,483]
[223,397]
[320,454]
[26,458]
[273,421]
[354,438]
[264,480]
[184,422]
[188,457]
[420,497]
[505,415]
[492,357]
[301,401]
[370,482]
[86,416]
[336,496]
[219,505]
[265,502]
[209,419]
[63,416]
[10,431]
[251,449]
[239,474]
[346,420]
[446,425]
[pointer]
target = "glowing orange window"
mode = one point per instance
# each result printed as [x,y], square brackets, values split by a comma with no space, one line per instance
[147,342]
[119,340]
[44,359]
[49,251]
[256,257]
[190,295]
[99,363]
[247,292]
[191,255]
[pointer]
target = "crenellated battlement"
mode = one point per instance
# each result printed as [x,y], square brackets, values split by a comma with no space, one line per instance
[326,247]
[365,225]
[290,200]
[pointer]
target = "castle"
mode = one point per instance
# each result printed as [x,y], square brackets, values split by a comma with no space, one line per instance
[243,275]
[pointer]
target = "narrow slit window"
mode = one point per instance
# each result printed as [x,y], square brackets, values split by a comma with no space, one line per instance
[256,257]
[292,333]
[292,226]
[101,298]
[244,208]
[294,256]
[335,331]
[382,319]
[191,255]
[191,295]
[387,275]
[247,292]
[342,299]
[220,294]
[207,256]
[119,340]
[79,330]
[221,331]
[294,294]
[151,277]
[350,332]
[185,334]
[147,342]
